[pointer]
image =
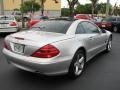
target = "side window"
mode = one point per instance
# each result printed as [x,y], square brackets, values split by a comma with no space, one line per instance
[112,19]
[90,28]
[118,19]
[45,17]
[80,29]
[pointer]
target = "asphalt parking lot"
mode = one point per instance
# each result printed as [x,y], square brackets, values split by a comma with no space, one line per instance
[101,73]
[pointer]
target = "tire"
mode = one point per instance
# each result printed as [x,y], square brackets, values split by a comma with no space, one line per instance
[115,29]
[77,64]
[18,29]
[109,45]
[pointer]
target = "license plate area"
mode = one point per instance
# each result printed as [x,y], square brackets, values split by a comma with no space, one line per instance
[103,26]
[18,48]
[3,25]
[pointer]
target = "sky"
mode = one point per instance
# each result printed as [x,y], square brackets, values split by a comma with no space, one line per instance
[64,2]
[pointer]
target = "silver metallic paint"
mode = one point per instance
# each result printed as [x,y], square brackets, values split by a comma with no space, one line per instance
[67,44]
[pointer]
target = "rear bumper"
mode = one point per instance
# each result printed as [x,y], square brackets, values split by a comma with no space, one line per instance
[47,67]
[8,30]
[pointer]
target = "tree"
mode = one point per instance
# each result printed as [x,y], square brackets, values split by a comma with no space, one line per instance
[83,9]
[101,8]
[29,6]
[42,2]
[23,23]
[65,12]
[86,9]
[107,7]
[71,4]
[16,9]
[117,11]
[94,3]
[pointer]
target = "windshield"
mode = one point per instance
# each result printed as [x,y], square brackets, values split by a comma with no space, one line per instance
[53,26]
[6,18]
[36,17]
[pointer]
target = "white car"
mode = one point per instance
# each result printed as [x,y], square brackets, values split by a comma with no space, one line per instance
[8,23]
[56,46]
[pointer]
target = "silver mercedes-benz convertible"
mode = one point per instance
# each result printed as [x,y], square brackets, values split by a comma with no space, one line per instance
[57,46]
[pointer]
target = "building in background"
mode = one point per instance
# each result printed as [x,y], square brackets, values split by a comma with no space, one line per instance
[52,9]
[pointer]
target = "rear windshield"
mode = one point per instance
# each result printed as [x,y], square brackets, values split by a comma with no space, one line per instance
[6,18]
[39,17]
[53,26]
[109,19]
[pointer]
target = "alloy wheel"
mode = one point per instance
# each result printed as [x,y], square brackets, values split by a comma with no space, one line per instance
[115,29]
[109,46]
[79,65]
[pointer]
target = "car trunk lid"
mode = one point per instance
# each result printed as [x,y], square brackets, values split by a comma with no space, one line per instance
[31,41]
[39,38]
[6,24]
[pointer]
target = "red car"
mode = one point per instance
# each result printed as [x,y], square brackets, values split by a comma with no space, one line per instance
[35,19]
[104,25]
[82,16]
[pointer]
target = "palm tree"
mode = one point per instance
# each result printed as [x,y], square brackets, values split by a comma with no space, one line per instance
[23,23]
[71,4]
[94,2]
[42,6]
[107,7]
[42,2]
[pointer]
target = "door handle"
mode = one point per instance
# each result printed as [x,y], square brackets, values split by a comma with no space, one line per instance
[91,38]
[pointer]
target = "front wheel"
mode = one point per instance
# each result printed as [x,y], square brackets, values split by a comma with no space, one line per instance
[77,64]
[115,29]
[109,45]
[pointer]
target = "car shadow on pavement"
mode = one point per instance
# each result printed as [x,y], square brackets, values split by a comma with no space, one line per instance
[40,80]
[96,59]
[3,35]
[37,78]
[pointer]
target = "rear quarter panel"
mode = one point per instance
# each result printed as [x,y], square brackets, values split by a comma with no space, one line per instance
[68,48]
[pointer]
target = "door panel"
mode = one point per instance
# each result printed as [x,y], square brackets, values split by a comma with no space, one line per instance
[103,41]
[94,37]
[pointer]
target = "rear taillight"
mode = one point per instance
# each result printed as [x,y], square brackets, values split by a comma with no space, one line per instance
[13,24]
[5,44]
[47,51]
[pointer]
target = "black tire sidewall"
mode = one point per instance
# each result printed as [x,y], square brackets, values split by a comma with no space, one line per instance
[114,29]
[107,50]
[72,68]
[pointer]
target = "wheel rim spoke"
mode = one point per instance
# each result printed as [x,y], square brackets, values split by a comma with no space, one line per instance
[109,45]
[81,59]
[115,29]
[79,64]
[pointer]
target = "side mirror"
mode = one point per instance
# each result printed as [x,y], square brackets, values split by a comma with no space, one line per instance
[103,30]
